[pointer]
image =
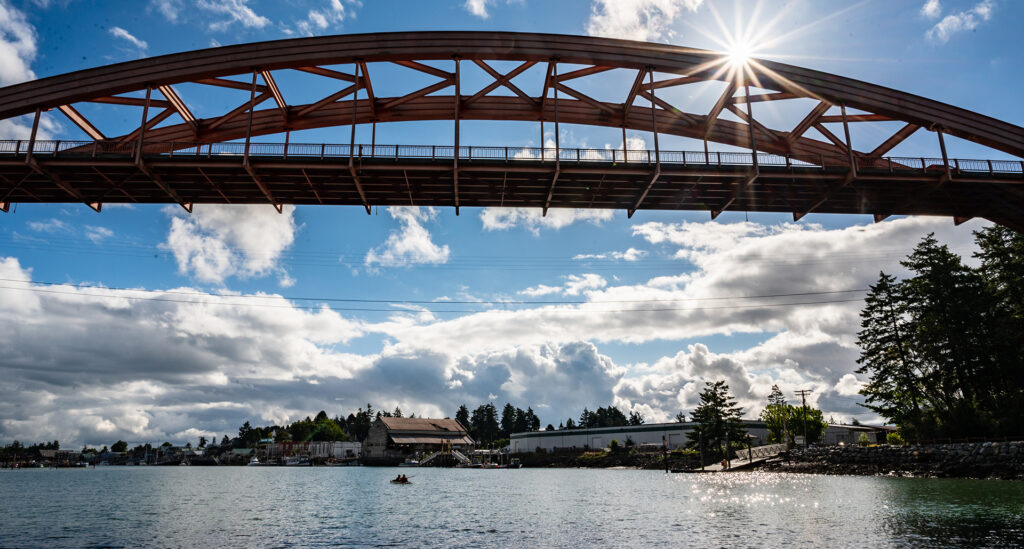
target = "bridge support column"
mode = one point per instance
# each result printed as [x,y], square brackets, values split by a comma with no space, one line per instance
[352,145]
[558,156]
[455,162]
[657,151]
[245,160]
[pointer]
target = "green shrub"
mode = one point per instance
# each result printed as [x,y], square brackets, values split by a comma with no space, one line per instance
[614,445]
[863,439]
[894,439]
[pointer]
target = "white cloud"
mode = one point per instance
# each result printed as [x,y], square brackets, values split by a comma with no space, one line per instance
[158,366]
[18,46]
[170,9]
[51,225]
[209,366]
[540,290]
[411,244]
[963,21]
[500,219]
[97,234]
[118,32]
[931,9]
[574,285]
[849,385]
[237,11]
[319,20]
[478,7]
[219,241]
[646,20]
[632,254]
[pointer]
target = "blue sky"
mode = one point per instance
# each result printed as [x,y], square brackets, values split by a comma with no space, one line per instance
[213,331]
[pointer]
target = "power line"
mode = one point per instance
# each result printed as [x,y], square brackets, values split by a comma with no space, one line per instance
[436,302]
[394,310]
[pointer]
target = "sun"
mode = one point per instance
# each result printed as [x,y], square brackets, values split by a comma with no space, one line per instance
[739,54]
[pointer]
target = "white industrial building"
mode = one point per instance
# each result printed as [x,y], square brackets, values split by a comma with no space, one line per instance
[672,434]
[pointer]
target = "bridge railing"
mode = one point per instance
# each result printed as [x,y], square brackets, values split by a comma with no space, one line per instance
[762,451]
[72,148]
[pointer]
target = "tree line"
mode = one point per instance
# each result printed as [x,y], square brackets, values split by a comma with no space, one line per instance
[944,347]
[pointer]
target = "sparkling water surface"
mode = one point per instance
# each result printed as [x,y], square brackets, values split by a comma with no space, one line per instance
[357,506]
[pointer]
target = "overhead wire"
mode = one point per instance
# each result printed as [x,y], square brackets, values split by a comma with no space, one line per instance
[398,310]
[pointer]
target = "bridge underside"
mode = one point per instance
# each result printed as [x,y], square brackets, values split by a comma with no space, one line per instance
[522,183]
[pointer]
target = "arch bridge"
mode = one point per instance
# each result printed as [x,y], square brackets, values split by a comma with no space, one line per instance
[807,164]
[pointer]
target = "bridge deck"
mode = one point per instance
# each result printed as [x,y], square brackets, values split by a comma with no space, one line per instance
[509,176]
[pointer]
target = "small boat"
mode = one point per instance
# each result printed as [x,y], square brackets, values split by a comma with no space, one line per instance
[395,481]
[409,463]
[254,461]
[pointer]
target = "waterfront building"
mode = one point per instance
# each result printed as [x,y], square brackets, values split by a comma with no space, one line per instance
[850,434]
[671,434]
[392,440]
[334,449]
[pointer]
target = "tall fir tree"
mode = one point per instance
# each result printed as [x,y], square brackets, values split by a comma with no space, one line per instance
[718,418]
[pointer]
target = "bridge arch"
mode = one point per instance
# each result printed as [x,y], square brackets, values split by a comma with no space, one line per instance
[846,174]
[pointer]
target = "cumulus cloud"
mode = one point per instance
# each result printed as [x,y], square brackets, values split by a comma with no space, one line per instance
[501,219]
[118,32]
[219,241]
[205,363]
[237,12]
[963,21]
[201,364]
[931,9]
[645,20]
[137,365]
[18,49]
[411,244]
[18,46]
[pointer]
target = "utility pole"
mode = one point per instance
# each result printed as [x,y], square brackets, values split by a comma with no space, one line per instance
[803,397]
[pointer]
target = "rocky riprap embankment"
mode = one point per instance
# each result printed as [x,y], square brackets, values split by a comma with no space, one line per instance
[1004,460]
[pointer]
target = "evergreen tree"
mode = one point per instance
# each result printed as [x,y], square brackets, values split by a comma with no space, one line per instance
[462,416]
[508,420]
[636,418]
[888,357]
[586,419]
[717,417]
[1002,266]
[531,421]
[680,417]
[776,416]
[949,306]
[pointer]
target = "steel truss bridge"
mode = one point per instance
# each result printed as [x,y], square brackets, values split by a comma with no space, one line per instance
[810,165]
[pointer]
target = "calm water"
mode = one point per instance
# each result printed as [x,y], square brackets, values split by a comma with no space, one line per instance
[270,506]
